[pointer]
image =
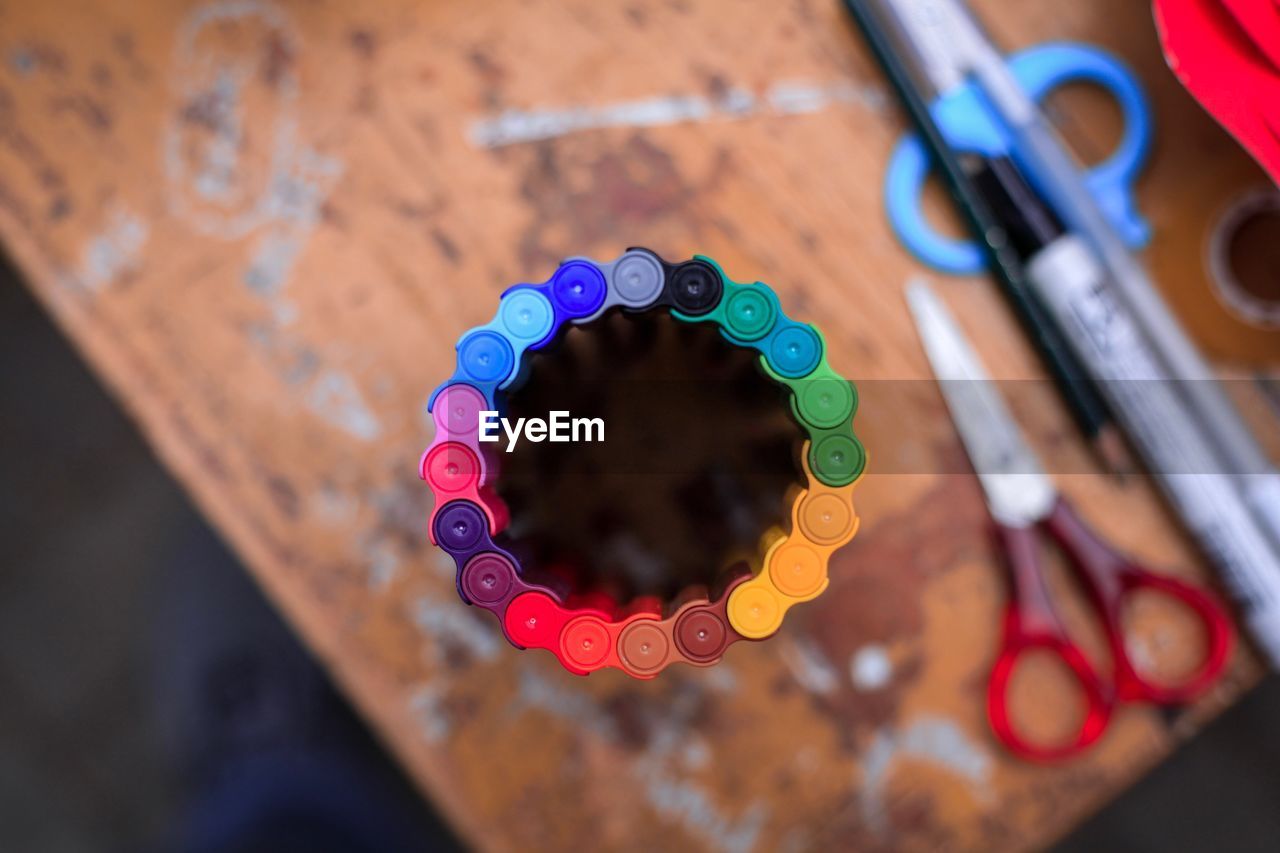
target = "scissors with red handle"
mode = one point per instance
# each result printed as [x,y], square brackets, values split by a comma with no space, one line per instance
[1025,506]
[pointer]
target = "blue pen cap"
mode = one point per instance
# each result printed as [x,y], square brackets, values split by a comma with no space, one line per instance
[485,356]
[794,351]
[526,315]
[578,289]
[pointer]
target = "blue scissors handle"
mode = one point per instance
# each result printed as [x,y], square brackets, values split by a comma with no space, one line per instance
[969,125]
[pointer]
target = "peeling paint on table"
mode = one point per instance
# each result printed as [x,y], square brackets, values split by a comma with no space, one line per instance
[114,251]
[934,740]
[783,98]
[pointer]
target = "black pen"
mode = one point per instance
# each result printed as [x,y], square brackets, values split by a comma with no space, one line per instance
[997,205]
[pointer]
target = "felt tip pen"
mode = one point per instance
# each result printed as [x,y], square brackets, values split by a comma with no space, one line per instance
[1175,445]
[546,606]
[1055,171]
[1067,279]
[923,73]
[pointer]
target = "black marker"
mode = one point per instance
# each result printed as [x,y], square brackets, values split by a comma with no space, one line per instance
[988,193]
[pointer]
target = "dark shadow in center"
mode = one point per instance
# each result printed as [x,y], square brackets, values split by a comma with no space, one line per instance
[699,452]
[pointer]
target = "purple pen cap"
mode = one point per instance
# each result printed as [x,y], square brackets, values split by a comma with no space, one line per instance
[457,412]
[460,527]
[489,578]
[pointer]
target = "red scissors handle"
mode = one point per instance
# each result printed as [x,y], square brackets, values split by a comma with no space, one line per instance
[1111,579]
[1032,623]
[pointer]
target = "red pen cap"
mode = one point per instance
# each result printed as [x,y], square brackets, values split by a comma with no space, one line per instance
[585,643]
[533,620]
[645,647]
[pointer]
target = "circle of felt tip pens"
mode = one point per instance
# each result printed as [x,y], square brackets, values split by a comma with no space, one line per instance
[641,637]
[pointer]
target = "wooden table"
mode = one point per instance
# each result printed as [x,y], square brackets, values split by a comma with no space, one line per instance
[265,225]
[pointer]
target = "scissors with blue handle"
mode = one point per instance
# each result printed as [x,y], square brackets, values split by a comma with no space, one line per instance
[970,126]
[1025,504]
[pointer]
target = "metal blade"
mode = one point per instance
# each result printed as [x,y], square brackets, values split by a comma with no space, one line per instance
[1017,488]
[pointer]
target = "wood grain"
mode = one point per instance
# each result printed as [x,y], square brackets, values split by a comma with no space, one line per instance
[265,225]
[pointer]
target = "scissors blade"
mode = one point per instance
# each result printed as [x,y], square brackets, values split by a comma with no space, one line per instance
[1018,491]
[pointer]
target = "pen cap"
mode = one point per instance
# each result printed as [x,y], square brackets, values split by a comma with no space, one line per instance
[526,314]
[702,634]
[824,402]
[637,279]
[794,351]
[585,642]
[588,618]
[488,578]
[826,518]
[457,412]
[750,313]
[534,620]
[755,610]
[578,289]
[797,568]
[486,356]
[459,526]
[644,646]
[695,287]
[451,468]
[837,458]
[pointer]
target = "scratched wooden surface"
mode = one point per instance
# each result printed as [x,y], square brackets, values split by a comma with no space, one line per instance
[265,225]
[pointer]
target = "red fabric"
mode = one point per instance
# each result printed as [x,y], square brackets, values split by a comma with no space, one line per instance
[1227,54]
